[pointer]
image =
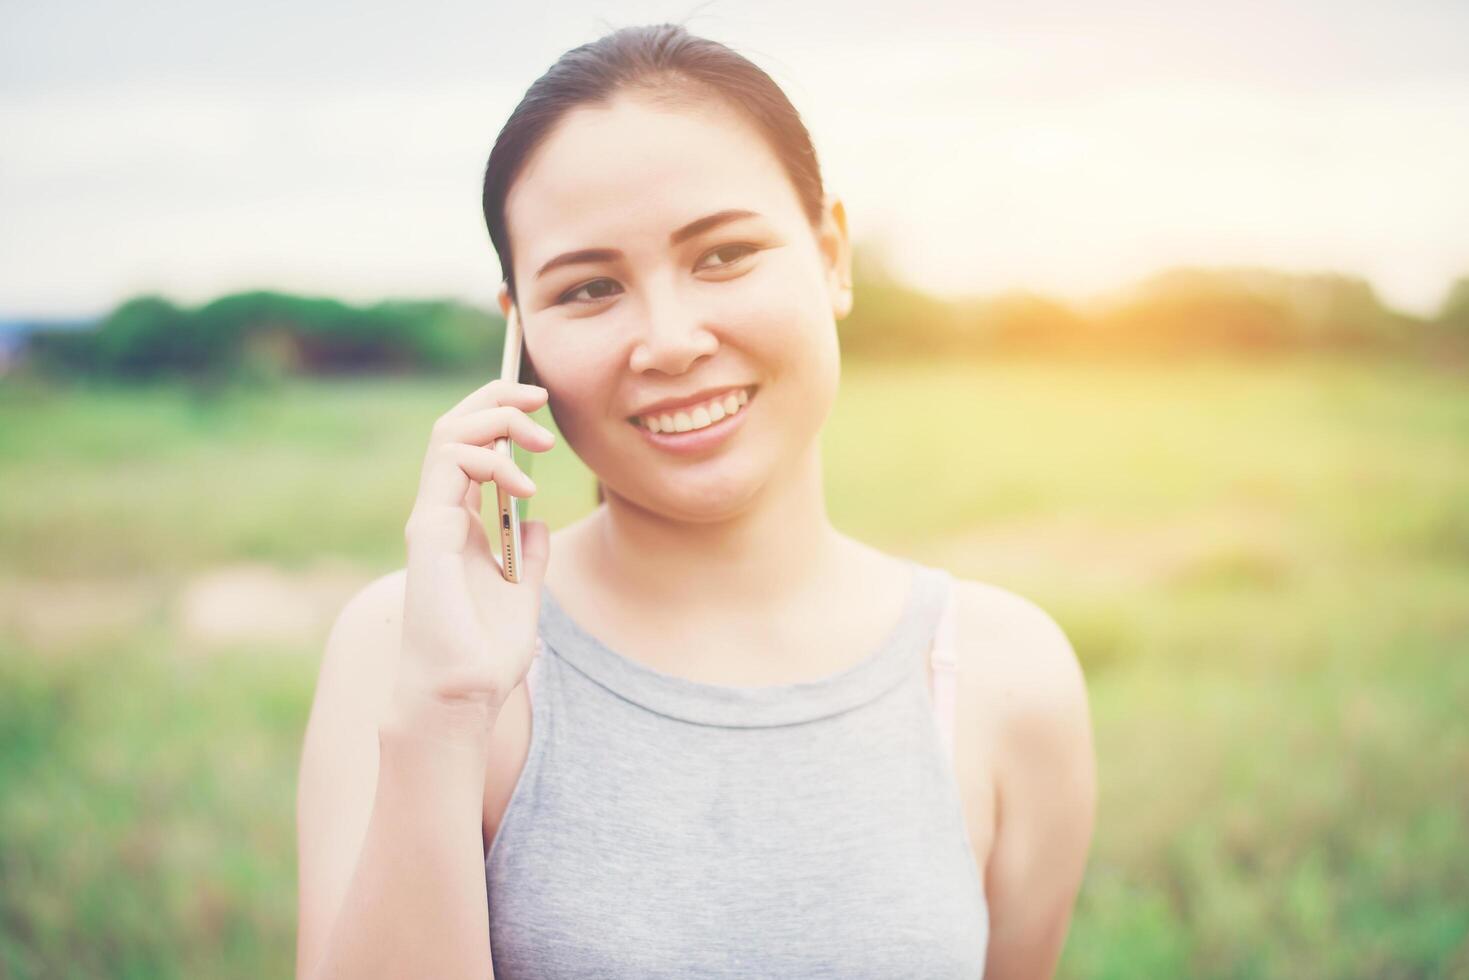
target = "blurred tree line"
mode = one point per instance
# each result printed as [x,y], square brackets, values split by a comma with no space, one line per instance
[1181,311]
[259,336]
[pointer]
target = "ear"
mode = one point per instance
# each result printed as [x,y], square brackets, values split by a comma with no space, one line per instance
[528,373]
[836,252]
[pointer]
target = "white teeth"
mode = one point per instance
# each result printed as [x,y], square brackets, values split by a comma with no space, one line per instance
[698,417]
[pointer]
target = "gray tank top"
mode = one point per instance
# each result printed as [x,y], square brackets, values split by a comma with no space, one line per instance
[666,828]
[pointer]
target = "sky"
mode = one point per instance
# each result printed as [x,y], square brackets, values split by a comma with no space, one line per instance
[336,148]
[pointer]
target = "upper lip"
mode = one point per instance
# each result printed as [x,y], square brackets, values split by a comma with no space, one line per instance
[687,401]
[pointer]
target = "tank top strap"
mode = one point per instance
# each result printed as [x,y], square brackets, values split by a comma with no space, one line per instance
[891,659]
[530,673]
[942,658]
[945,663]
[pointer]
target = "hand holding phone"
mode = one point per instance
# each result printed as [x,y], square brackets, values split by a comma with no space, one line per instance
[472,596]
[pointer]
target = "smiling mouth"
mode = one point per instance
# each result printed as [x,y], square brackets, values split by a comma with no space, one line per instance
[697,417]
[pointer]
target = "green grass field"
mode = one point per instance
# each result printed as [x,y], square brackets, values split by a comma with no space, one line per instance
[1263,566]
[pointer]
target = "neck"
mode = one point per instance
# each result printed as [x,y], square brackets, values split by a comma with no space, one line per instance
[780,546]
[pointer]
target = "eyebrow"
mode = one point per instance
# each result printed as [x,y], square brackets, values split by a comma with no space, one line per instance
[690,230]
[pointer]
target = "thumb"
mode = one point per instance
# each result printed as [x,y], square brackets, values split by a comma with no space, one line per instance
[535,552]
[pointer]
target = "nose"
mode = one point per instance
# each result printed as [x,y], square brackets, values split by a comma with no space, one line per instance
[673,337]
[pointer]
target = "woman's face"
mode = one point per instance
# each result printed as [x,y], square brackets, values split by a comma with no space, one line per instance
[751,301]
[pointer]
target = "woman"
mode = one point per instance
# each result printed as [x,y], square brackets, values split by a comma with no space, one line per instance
[725,758]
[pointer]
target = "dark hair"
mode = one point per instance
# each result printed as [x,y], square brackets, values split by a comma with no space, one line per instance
[667,64]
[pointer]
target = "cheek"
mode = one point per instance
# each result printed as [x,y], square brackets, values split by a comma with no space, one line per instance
[577,376]
[790,327]
[776,280]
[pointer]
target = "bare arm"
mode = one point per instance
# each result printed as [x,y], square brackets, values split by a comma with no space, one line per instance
[416,670]
[388,816]
[1046,798]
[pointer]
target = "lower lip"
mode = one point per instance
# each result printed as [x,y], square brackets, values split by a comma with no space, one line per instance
[699,440]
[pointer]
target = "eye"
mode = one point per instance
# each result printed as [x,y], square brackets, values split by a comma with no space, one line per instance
[741,249]
[566,297]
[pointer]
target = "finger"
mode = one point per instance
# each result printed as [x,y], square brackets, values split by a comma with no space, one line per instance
[501,392]
[484,426]
[452,465]
[478,542]
[473,498]
[535,551]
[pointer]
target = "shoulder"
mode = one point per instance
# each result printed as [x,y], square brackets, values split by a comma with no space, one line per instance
[373,613]
[380,599]
[1021,652]
[1021,681]
[362,646]
[1023,696]
[373,610]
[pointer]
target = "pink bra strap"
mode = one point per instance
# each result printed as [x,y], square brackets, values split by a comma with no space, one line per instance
[530,690]
[945,669]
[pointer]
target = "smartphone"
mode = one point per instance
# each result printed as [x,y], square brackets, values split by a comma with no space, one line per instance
[515,366]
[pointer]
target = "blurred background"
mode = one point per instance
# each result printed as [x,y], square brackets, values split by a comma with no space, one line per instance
[1180,294]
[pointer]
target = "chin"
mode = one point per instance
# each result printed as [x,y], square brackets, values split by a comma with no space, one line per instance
[704,499]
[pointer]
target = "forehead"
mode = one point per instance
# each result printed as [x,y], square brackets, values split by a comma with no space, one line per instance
[629,171]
